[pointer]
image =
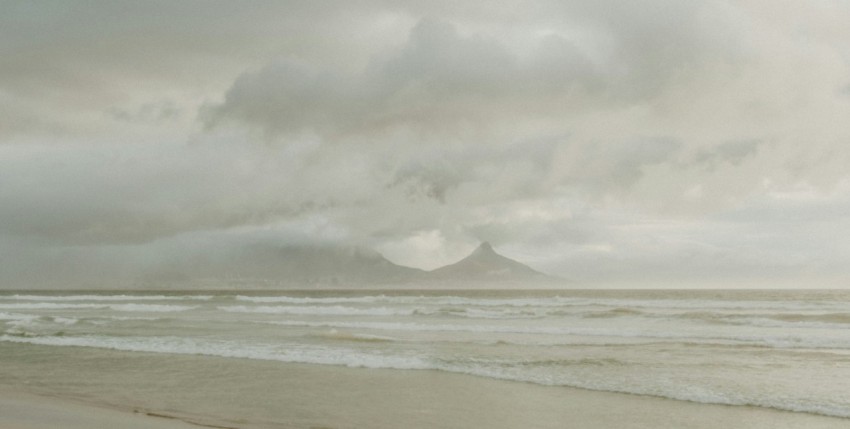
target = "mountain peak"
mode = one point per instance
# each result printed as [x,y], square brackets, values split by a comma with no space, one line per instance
[485,247]
[485,264]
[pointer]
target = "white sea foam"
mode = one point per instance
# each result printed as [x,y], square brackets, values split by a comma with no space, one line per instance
[316,300]
[18,321]
[292,353]
[130,318]
[151,308]
[334,310]
[493,313]
[154,308]
[47,306]
[65,320]
[334,334]
[105,297]
[17,316]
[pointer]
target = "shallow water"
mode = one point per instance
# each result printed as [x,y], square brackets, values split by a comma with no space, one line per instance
[788,350]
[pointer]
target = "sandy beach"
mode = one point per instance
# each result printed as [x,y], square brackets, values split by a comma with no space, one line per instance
[117,389]
[20,410]
[450,403]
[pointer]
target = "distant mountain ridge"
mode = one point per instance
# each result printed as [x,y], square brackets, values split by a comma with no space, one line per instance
[330,266]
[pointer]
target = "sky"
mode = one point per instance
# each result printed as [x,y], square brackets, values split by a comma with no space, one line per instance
[660,143]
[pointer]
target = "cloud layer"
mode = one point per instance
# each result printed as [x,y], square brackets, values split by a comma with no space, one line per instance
[657,144]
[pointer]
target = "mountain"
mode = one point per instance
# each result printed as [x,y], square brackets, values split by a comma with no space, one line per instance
[327,265]
[286,266]
[305,266]
[485,265]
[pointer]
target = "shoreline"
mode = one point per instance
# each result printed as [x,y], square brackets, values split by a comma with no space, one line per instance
[198,391]
[424,359]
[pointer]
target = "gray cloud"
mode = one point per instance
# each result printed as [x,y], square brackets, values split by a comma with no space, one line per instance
[651,44]
[96,195]
[733,152]
[148,112]
[438,79]
[68,62]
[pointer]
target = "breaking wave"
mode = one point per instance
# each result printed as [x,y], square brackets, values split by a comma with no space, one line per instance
[106,297]
[335,310]
[153,308]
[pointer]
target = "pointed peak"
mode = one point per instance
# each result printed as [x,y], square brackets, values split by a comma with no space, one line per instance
[484,247]
[485,264]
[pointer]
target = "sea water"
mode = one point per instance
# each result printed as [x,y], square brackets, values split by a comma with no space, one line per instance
[788,350]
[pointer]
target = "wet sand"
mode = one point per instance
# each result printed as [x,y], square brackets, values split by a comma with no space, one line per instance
[20,410]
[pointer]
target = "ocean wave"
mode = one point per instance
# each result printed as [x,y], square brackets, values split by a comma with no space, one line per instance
[663,387]
[153,308]
[17,316]
[606,314]
[131,318]
[314,300]
[775,341]
[773,322]
[561,301]
[397,309]
[614,305]
[17,322]
[765,320]
[336,335]
[335,310]
[835,318]
[51,298]
[415,300]
[298,307]
[290,353]
[67,321]
[478,313]
[48,306]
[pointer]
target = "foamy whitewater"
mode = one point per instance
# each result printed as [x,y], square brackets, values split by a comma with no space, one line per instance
[788,350]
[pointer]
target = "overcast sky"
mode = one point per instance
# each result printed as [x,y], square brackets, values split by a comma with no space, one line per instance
[661,143]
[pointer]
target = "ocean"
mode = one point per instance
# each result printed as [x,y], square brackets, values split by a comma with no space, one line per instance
[787,350]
